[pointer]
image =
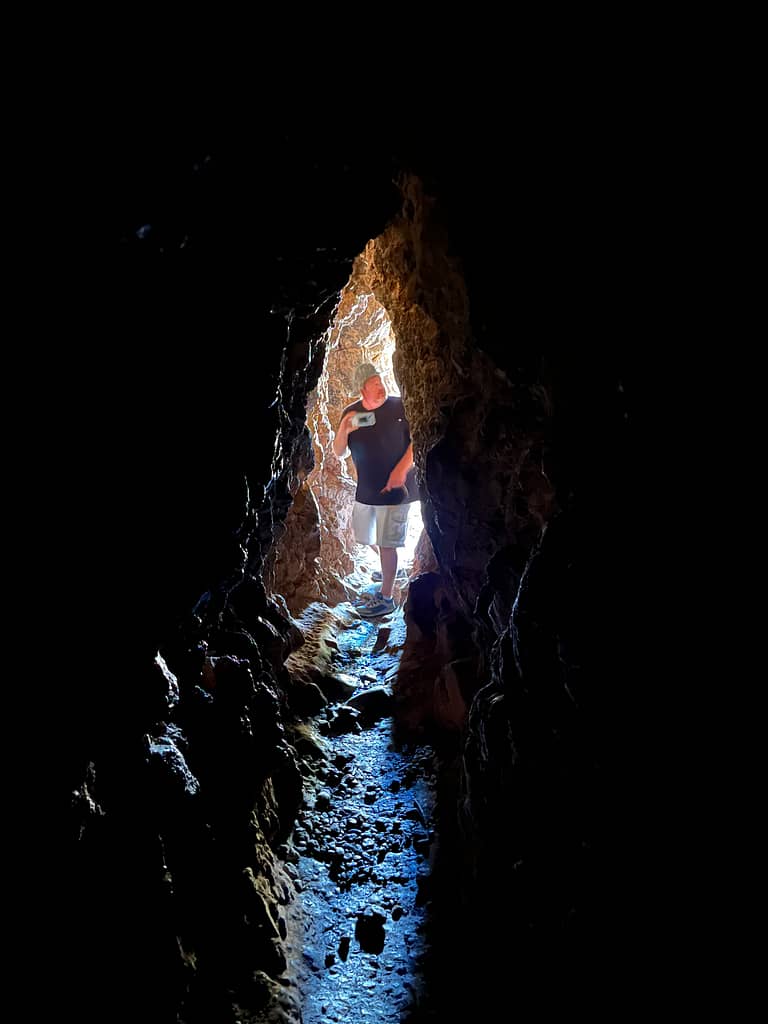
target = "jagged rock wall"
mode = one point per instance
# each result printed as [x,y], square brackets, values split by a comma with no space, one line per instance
[497,633]
[480,444]
[480,435]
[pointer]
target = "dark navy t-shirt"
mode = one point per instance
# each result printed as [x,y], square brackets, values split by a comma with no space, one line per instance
[376,451]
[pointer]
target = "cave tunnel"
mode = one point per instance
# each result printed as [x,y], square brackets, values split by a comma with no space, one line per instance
[281,811]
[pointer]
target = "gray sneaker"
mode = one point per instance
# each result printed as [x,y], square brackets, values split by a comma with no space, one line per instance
[375,610]
[367,597]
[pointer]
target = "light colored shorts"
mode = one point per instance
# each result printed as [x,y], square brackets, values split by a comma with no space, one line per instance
[385,525]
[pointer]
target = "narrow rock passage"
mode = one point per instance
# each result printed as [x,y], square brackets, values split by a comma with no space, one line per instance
[361,852]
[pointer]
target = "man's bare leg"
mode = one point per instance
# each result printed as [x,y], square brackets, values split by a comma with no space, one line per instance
[388,569]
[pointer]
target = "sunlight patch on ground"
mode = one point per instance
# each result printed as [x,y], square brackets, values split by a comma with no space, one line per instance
[361,852]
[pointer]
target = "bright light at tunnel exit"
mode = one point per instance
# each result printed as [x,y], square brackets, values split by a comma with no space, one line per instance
[406,553]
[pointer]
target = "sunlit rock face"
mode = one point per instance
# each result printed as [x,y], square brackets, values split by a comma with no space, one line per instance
[316,547]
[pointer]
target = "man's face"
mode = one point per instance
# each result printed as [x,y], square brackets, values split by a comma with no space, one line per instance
[374,390]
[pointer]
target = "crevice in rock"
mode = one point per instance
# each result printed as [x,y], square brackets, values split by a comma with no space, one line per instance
[241,745]
[314,555]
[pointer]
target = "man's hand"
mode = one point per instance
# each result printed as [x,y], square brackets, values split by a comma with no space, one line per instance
[348,424]
[345,429]
[396,479]
[399,474]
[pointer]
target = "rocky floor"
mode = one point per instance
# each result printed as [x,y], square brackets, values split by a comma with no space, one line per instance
[361,852]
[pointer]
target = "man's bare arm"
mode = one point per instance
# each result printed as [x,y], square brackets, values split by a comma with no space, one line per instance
[341,437]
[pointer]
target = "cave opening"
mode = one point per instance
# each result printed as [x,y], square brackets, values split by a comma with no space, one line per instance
[365,835]
[316,557]
[204,807]
[361,332]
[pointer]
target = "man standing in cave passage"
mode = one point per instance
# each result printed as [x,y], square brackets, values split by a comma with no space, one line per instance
[382,452]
